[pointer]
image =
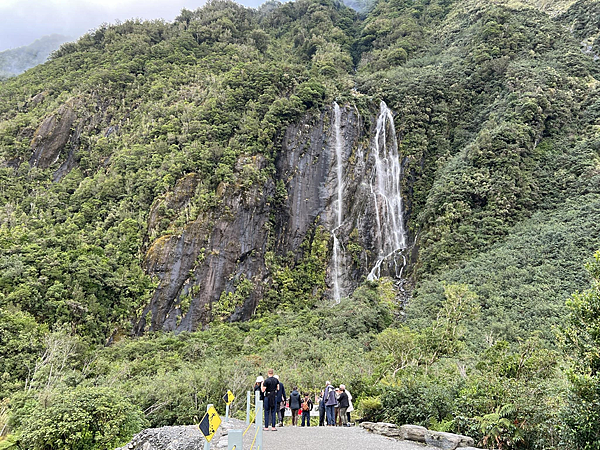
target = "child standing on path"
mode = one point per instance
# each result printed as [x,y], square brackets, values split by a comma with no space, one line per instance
[307,406]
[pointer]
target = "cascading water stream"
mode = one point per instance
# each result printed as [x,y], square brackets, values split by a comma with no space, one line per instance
[339,203]
[386,191]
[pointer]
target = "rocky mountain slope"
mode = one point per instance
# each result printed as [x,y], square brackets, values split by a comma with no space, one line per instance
[240,167]
[217,190]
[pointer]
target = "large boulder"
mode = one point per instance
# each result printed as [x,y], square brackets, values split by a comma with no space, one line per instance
[388,429]
[186,437]
[413,433]
[385,429]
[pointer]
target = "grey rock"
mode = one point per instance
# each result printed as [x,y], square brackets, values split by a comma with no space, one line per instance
[167,438]
[413,433]
[51,137]
[447,441]
[186,437]
[388,429]
[367,425]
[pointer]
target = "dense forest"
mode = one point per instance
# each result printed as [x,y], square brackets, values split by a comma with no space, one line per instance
[153,253]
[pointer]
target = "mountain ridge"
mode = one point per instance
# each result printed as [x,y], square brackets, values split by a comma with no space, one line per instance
[18,60]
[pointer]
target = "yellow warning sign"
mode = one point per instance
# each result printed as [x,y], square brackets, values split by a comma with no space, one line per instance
[210,423]
[228,398]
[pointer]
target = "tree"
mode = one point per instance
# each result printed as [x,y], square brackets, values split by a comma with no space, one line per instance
[581,339]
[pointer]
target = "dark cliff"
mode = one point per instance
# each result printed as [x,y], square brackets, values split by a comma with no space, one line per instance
[199,266]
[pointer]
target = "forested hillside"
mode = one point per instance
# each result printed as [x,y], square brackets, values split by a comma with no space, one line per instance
[18,60]
[184,204]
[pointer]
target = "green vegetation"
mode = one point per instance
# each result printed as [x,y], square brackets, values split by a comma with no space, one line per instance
[156,124]
[581,339]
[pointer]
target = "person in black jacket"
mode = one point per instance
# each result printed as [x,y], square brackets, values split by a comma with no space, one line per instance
[330,403]
[280,401]
[321,403]
[306,407]
[270,387]
[258,387]
[295,401]
[343,403]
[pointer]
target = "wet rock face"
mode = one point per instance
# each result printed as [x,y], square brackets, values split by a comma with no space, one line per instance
[306,165]
[229,243]
[303,166]
[176,200]
[195,267]
[57,139]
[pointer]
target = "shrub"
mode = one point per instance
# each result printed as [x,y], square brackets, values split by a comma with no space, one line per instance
[82,419]
[418,401]
[370,408]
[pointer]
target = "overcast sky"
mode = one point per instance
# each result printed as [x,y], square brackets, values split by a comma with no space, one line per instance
[24,21]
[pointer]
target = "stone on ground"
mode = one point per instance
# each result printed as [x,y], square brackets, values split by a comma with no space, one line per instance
[447,441]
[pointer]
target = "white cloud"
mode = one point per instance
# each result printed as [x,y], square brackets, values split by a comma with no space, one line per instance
[23,21]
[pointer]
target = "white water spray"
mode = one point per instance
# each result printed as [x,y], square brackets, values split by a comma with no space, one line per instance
[339,203]
[386,191]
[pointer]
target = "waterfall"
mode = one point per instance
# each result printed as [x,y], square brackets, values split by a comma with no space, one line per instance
[339,203]
[386,192]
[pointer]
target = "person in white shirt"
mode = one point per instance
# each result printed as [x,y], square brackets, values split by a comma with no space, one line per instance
[350,408]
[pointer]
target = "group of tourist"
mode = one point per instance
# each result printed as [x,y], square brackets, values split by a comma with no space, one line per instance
[334,403]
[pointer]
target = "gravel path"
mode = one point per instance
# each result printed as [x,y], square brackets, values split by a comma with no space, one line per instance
[287,438]
[328,438]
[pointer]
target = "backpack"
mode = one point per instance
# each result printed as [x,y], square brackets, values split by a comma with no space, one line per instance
[305,406]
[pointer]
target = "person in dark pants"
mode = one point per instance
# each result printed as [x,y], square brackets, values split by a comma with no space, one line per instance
[307,406]
[258,387]
[269,388]
[330,403]
[321,403]
[280,401]
[295,401]
[350,408]
[336,410]
[343,404]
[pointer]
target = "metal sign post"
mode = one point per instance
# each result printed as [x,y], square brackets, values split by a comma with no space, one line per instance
[228,398]
[207,443]
[248,408]
[259,424]
[235,439]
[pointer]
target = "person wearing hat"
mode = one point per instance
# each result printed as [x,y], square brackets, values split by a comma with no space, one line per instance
[257,387]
